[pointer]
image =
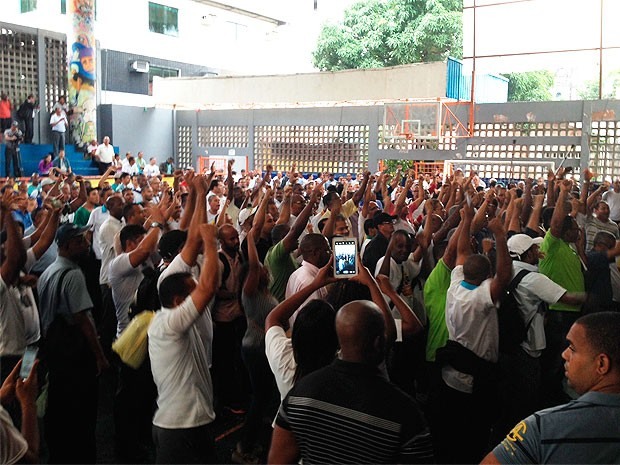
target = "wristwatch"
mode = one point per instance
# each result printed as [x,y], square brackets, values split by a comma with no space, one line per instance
[155,224]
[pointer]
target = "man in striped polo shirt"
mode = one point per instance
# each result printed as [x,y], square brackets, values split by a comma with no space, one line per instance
[348,412]
[586,429]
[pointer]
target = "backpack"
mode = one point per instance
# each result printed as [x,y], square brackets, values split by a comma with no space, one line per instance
[147,296]
[512,328]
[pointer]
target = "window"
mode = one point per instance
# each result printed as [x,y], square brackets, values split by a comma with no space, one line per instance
[160,71]
[163,19]
[28,5]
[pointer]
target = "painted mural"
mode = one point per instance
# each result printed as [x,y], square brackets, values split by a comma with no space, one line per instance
[82,95]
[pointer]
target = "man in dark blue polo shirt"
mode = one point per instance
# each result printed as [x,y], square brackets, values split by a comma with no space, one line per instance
[586,429]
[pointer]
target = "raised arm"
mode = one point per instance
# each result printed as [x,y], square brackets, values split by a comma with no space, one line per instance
[281,314]
[411,324]
[14,253]
[504,263]
[481,215]
[463,249]
[365,278]
[534,220]
[81,198]
[285,211]
[104,177]
[193,244]
[48,235]
[560,211]
[259,217]
[526,208]
[362,189]
[253,277]
[208,281]
[290,240]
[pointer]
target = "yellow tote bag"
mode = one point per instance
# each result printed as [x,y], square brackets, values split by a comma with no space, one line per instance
[132,345]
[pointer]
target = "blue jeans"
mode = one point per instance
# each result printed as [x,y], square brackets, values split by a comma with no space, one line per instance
[58,139]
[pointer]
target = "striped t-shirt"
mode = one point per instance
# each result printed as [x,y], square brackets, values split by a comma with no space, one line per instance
[349,413]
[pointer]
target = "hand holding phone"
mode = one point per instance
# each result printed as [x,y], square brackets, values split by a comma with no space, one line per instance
[345,257]
[30,356]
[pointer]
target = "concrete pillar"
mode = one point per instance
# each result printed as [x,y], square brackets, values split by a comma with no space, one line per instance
[82,93]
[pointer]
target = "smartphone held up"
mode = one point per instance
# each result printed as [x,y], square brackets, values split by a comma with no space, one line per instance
[345,257]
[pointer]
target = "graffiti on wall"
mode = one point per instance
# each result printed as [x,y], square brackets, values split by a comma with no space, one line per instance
[82,73]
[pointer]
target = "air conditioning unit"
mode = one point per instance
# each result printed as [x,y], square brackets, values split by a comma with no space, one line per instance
[140,66]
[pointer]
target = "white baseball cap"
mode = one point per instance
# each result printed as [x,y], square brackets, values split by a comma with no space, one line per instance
[521,243]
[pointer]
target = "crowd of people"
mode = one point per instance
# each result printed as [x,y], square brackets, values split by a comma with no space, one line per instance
[475,305]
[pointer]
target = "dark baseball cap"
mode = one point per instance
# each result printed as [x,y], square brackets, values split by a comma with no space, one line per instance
[382,218]
[68,231]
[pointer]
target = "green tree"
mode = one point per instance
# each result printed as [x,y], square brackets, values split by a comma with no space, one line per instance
[532,86]
[379,33]
[611,85]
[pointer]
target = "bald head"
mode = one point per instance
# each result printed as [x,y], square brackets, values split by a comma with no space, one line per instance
[361,332]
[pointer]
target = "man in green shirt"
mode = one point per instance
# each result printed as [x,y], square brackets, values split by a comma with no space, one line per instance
[82,214]
[563,265]
[278,259]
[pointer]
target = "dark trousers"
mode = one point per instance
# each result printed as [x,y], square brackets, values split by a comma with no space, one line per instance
[58,140]
[134,405]
[230,379]
[107,324]
[28,130]
[189,445]
[461,423]
[519,391]
[264,389]
[11,155]
[71,413]
[557,324]
[103,166]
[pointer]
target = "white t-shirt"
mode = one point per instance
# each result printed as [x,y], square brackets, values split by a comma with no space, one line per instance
[95,221]
[151,170]
[179,347]
[107,233]
[534,288]
[12,324]
[124,281]
[13,445]
[279,352]
[471,318]
[105,153]
[613,199]
[62,125]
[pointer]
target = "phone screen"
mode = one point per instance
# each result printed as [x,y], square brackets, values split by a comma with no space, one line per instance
[28,361]
[345,257]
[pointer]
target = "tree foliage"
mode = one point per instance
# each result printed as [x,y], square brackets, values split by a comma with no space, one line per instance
[379,33]
[611,86]
[532,86]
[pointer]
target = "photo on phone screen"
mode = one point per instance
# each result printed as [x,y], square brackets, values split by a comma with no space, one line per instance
[28,361]
[345,257]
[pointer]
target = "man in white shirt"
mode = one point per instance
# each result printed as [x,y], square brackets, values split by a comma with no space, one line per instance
[612,197]
[129,165]
[107,233]
[59,125]
[151,169]
[104,155]
[465,403]
[133,401]
[180,337]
